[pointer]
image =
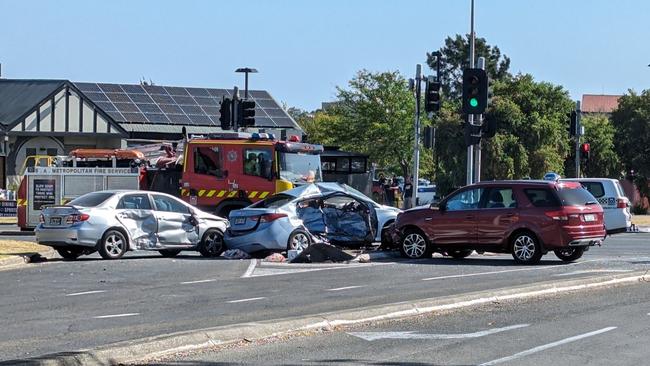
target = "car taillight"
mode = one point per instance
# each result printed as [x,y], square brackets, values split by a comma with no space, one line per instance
[271,217]
[41,219]
[557,215]
[622,203]
[76,218]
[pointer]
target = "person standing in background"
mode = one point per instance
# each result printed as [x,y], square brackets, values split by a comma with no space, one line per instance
[408,193]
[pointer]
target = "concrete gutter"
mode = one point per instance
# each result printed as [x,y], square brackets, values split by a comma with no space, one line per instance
[142,350]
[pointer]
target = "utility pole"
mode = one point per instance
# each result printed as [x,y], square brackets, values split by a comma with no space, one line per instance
[578,133]
[477,150]
[470,117]
[235,108]
[416,148]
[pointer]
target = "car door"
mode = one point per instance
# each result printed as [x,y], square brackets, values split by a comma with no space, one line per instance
[455,223]
[135,213]
[176,225]
[496,215]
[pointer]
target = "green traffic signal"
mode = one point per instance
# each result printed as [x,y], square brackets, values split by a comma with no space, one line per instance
[473,102]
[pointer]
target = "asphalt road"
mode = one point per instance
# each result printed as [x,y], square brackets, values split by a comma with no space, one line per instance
[63,306]
[603,327]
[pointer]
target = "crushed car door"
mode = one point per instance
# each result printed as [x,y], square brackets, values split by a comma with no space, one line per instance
[135,212]
[176,224]
[348,219]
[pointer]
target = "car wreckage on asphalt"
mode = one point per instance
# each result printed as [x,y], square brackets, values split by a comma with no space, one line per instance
[318,212]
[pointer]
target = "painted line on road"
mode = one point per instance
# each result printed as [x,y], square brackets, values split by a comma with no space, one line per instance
[86,293]
[547,346]
[503,271]
[251,269]
[344,288]
[115,316]
[589,271]
[245,300]
[372,336]
[198,281]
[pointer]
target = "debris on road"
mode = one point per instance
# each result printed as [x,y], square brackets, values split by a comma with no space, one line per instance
[318,253]
[236,254]
[275,257]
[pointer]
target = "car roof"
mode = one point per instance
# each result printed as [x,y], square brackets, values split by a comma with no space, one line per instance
[538,182]
[590,179]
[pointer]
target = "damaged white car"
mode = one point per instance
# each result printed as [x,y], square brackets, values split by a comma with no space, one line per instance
[113,222]
[292,220]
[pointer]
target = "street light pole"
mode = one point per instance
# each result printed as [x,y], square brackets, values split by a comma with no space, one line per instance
[470,118]
[416,148]
[246,70]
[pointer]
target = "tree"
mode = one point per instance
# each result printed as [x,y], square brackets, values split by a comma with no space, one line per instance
[603,160]
[632,137]
[455,58]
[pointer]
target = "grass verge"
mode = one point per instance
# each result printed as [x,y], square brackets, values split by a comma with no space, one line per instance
[643,220]
[10,248]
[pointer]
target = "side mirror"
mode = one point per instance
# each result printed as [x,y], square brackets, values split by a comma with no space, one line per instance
[442,206]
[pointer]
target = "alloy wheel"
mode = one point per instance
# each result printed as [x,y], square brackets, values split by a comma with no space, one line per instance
[524,247]
[214,243]
[300,241]
[414,245]
[114,245]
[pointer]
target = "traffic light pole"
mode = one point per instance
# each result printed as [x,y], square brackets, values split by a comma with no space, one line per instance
[477,150]
[416,148]
[470,118]
[235,108]
[578,133]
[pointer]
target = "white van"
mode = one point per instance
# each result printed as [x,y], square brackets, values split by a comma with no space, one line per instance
[611,197]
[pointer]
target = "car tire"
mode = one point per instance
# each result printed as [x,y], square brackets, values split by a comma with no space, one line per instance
[212,244]
[68,253]
[299,240]
[569,254]
[414,245]
[460,254]
[169,253]
[113,245]
[526,248]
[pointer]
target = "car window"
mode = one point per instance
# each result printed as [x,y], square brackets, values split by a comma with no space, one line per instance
[595,188]
[576,197]
[135,202]
[619,188]
[465,200]
[501,198]
[91,199]
[276,201]
[541,197]
[168,204]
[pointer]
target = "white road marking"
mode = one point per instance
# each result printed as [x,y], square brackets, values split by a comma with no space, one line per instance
[504,271]
[344,288]
[371,336]
[547,346]
[587,271]
[115,315]
[198,281]
[251,269]
[86,293]
[245,300]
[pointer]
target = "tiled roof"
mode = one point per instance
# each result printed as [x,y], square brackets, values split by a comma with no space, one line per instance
[599,103]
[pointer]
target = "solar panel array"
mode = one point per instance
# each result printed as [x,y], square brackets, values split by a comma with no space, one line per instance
[155,104]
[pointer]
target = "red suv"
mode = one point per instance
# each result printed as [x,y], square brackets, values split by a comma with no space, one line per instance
[527,218]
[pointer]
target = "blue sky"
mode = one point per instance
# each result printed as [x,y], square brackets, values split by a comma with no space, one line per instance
[304,49]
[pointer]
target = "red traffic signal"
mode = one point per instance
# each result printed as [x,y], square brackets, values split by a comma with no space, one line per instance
[584,151]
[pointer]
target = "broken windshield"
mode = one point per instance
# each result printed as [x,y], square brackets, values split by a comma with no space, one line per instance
[300,168]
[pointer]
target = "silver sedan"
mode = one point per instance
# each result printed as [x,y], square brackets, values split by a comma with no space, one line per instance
[113,222]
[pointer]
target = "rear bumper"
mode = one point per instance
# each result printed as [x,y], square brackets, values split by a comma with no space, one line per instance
[273,237]
[586,242]
[73,236]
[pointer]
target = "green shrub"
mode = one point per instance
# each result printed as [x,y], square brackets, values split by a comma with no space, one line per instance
[638,209]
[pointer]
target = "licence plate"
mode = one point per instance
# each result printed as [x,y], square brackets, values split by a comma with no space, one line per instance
[55,221]
[590,217]
[240,220]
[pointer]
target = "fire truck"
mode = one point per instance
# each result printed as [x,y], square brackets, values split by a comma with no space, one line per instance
[227,171]
[217,173]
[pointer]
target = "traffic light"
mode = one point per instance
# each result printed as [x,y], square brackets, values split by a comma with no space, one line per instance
[475,91]
[472,134]
[429,137]
[246,115]
[489,126]
[573,123]
[225,112]
[585,150]
[432,95]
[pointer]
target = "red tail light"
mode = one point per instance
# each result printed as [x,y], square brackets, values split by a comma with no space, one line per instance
[271,217]
[557,215]
[622,203]
[76,218]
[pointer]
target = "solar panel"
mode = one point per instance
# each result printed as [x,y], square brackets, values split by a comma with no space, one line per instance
[153,104]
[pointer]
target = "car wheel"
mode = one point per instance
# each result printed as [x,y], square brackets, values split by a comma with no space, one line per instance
[169,253]
[569,254]
[113,245]
[298,240]
[414,245]
[460,254]
[69,253]
[526,248]
[212,244]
